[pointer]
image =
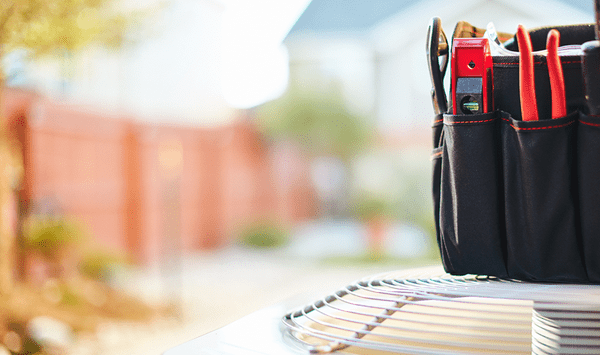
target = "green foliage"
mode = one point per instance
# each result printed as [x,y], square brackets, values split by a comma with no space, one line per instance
[264,234]
[319,122]
[69,297]
[368,207]
[414,205]
[51,235]
[44,26]
[97,265]
[401,190]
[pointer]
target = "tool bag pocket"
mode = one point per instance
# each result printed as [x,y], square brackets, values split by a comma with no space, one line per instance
[588,172]
[507,201]
[470,215]
[539,178]
[436,159]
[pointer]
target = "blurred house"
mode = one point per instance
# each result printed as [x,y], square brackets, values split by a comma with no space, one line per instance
[376,49]
[143,189]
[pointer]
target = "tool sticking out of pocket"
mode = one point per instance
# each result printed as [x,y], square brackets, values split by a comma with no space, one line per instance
[437,48]
[529,109]
[472,76]
[591,68]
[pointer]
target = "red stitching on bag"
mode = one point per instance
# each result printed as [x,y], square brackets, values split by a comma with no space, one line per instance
[440,120]
[539,63]
[536,128]
[482,121]
[591,124]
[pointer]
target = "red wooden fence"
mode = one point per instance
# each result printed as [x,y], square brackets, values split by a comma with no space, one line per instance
[141,187]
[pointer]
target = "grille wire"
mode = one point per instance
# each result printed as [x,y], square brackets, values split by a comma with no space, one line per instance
[429,312]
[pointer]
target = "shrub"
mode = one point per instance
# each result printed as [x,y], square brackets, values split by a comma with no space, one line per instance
[98,265]
[264,234]
[51,235]
[369,207]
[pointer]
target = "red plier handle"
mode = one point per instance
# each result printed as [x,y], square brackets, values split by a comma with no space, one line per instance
[557,80]
[529,109]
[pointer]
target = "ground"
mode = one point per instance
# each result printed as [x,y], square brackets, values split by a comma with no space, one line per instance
[217,288]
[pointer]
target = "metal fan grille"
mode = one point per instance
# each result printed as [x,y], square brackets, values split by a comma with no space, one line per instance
[429,312]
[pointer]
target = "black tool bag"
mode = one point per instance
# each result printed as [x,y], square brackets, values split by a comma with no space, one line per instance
[521,199]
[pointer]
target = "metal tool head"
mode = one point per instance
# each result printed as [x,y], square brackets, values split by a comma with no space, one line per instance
[437,59]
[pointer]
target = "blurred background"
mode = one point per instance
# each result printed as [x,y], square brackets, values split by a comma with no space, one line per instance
[168,166]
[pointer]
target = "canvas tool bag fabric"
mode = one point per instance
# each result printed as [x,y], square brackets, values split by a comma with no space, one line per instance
[521,199]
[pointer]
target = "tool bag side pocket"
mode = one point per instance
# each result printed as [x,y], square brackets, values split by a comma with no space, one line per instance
[470,211]
[436,159]
[588,172]
[541,222]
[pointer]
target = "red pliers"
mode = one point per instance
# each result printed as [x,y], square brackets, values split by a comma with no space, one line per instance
[529,110]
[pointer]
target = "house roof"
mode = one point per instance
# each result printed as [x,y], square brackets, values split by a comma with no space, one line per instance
[360,15]
[346,15]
